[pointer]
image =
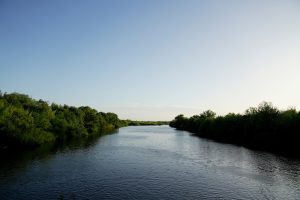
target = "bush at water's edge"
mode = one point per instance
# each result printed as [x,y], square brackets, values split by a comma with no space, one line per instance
[28,122]
[264,127]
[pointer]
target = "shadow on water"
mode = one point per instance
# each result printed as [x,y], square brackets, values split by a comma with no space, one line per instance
[20,157]
[283,154]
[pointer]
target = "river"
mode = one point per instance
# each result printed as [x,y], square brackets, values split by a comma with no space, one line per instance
[148,162]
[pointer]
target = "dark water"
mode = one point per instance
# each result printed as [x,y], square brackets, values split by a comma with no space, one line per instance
[149,163]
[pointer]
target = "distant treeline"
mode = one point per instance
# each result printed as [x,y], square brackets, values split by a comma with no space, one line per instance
[264,127]
[145,123]
[29,122]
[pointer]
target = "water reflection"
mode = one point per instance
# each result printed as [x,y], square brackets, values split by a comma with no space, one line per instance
[19,158]
[148,163]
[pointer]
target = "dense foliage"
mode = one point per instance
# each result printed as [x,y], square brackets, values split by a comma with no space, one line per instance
[264,127]
[25,121]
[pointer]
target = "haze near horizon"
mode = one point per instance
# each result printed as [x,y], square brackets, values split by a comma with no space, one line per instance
[152,60]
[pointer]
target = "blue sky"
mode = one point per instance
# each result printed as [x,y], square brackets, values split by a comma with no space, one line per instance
[152,60]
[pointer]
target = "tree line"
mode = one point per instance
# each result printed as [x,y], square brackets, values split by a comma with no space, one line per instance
[263,127]
[145,123]
[29,122]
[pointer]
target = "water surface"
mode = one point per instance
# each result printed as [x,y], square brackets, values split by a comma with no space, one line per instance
[155,162]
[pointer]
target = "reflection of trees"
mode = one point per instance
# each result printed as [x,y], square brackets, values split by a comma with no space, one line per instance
[15,160]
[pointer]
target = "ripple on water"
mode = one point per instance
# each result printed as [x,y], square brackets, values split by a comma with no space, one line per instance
[150,163]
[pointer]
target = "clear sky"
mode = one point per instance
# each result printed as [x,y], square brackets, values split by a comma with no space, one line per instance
[152,60]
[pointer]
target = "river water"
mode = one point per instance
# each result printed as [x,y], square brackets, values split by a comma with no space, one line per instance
[150,162]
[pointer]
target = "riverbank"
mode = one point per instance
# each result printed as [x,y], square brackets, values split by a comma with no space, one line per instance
[263,128]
